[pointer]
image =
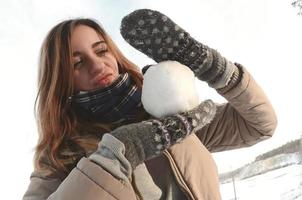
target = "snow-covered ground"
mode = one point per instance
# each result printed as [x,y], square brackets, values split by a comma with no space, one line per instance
[280,184]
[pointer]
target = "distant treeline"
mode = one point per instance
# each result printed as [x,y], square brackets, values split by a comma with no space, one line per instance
[290,147]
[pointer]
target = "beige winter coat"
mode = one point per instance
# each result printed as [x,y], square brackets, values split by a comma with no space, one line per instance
[246,119]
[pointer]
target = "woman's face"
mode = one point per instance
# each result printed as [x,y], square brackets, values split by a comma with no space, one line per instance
[94,65]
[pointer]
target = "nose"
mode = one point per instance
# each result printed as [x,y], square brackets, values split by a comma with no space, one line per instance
[96,66]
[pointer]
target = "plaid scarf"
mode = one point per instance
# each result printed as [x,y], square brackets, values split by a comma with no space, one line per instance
[116,103]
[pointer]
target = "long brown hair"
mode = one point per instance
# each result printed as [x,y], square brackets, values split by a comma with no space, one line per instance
[55,118]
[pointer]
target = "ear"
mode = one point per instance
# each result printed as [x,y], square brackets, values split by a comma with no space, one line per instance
[145,68]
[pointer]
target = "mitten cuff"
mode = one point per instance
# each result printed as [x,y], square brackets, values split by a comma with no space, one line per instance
[110,155]
[234,80]
[224,79]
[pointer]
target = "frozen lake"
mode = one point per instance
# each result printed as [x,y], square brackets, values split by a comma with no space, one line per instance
[280,184]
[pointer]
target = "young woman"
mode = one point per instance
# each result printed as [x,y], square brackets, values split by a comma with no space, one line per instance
[97,142]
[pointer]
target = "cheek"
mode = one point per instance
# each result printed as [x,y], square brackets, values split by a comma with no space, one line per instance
[114,67]
[116,72]
[76,83]
[80,81]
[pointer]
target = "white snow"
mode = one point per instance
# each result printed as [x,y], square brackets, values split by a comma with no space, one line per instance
[164,87]
[280,184]
[275,162]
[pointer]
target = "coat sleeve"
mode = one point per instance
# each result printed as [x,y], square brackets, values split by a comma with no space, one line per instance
[246,119]
[86,181]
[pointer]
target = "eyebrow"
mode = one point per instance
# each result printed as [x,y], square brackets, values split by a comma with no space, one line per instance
[76,53]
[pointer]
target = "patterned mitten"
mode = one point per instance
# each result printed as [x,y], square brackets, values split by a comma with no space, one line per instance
[157,36]
[149,138]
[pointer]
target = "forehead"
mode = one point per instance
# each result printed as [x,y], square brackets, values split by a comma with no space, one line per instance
[83,36]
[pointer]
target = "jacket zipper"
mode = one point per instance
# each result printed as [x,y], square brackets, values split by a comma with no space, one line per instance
[178,176]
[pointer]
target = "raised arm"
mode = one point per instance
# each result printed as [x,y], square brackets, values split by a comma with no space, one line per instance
[247,118]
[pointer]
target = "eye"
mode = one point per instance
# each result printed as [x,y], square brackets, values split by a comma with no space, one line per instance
[101,52]
[78,64]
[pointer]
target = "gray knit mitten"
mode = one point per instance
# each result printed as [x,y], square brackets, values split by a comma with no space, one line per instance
[149,138]
[157,36]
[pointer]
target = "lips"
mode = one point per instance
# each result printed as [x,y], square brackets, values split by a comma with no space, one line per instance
[101,80]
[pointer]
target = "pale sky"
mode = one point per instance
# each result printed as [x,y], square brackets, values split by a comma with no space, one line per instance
[263,35]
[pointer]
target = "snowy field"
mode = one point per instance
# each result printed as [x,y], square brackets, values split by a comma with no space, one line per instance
[280,184]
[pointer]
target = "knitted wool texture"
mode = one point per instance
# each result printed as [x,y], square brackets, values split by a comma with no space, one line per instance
[116,103]
[157,36]
[149,138]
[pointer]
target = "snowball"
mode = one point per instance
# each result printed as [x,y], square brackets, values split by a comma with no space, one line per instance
[169,88]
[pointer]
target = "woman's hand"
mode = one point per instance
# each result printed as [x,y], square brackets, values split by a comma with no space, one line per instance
[157,36]
[149,138]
